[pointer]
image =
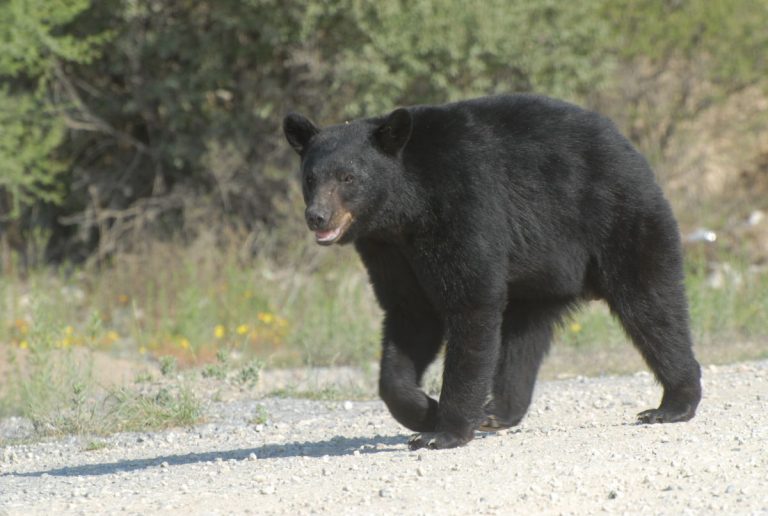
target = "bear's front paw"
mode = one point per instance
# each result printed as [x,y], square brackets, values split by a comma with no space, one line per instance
[437,440]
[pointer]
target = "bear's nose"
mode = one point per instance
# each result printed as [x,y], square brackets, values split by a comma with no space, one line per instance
[316,218]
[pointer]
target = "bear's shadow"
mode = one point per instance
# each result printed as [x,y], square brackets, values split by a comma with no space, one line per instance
[337,446]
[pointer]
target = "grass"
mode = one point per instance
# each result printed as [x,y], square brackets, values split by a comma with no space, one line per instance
[199,300]
[207,307]
[95,446]
[260,416]
[50,379]
[58,393]
[326,393]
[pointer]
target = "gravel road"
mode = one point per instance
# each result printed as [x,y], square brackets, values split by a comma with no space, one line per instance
[578,451]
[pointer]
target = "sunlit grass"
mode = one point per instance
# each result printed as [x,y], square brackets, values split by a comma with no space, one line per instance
[318,312]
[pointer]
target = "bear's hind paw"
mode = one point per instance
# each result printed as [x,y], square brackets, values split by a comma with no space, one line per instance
[664,415]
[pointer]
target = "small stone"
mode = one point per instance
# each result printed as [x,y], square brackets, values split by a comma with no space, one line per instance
[252,456]
[164,464]
[385,493]
[348,405]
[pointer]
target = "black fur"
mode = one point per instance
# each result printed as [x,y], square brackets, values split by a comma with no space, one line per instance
[481,223]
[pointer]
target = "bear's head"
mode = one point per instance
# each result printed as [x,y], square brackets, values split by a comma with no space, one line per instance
[349,172]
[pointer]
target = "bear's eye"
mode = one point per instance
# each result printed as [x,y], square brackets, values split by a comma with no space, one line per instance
[347,178]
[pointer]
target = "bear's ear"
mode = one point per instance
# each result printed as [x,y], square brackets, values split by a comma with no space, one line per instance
[393,134]
[298,131]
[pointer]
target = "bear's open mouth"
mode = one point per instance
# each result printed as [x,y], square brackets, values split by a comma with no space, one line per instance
[332,235]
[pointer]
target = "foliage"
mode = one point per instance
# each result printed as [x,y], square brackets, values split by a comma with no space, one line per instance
[680,58]
[148,115]
[729,35]
[428,51]
[29,139]
[36,37]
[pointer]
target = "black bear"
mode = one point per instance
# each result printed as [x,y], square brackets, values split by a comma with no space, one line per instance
[481,224]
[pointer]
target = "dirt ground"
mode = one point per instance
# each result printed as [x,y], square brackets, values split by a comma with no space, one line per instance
[577,452]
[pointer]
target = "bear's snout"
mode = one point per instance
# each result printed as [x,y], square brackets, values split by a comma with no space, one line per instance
[317,217]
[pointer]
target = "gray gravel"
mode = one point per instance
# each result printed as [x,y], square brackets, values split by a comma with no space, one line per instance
[578,451]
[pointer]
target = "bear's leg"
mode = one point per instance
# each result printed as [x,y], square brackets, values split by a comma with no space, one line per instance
[526,335]
[649,300]
[470,361]
[657,323]
[409,346]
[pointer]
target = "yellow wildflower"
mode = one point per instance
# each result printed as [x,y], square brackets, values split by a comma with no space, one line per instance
[69,330]
[242,329]
[22,326]
[24,344]
[266,317]
[219,331]
[184,343]
[142,350]
[111,336]
[575,327]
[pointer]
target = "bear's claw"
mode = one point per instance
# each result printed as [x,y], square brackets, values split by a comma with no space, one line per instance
[436,441]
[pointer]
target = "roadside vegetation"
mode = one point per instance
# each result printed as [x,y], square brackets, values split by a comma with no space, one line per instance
[58,333]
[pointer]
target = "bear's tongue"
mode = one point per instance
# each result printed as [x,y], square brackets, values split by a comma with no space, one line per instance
[327,236]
